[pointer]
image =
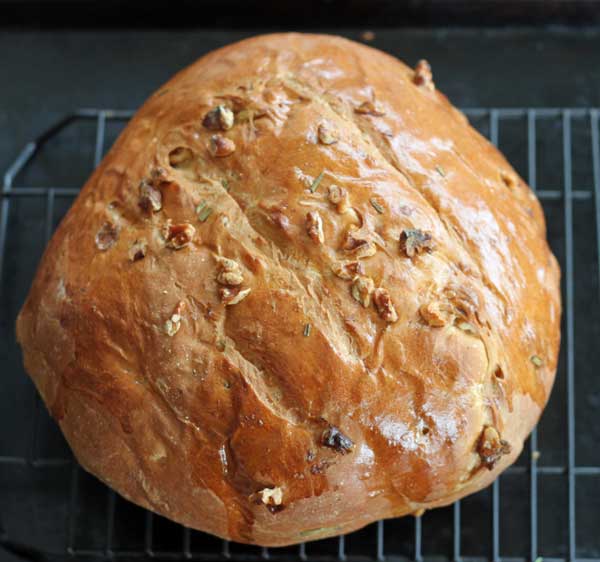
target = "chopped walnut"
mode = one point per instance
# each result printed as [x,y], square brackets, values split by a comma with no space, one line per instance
[347,270]
[335,439]
[365,250]
[233,295]
[180,156]
[358,245]
[326,134]
[138,249]
[178,236]
[220,118]
[436,314]
[173,324]
[230,278]
[158,174]
[150,197]
[354,238]
[271,496]
[423,76]
[338,196]
[362,288]
[107,236]
[230,273]
[491,447]
[509,179]
[314,227]
[384,305]
[220,146]
[414,241]
[370,108]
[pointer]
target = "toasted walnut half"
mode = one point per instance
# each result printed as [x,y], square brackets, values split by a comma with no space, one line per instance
[230,273]
[220,118]
[491,447]
[332,437]
[150,197]
[362,288]
[423,76]
[414,241]
[107,236]
[220,146]
[178,236]
[384,305]
[314,227]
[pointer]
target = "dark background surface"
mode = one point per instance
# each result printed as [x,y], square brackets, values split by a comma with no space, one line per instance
[291,13]
[46,74]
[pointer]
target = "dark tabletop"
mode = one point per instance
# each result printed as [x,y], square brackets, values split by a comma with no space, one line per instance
[46,74]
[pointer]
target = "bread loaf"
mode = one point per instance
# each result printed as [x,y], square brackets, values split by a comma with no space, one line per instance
[299,294]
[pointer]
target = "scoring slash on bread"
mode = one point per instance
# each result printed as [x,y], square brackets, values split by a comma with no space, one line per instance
[298,295]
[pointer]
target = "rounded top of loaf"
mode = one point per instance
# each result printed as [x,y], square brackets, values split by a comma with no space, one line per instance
[299,294]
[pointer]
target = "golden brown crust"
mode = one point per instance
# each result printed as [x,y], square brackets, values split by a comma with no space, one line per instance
[326,302]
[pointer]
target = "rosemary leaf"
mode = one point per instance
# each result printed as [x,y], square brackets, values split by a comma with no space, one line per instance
[377,206]
[536,360]
[315,184]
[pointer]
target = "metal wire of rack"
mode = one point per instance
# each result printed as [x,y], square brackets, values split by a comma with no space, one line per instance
[557,149]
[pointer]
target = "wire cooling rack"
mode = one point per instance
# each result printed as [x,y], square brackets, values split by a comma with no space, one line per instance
[545,506]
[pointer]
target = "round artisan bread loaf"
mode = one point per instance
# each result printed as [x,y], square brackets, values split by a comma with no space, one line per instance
[299,294]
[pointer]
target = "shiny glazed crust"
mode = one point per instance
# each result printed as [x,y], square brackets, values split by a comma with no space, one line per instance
[299,294]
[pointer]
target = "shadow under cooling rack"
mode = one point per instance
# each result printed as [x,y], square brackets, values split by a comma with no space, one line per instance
[546,505]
